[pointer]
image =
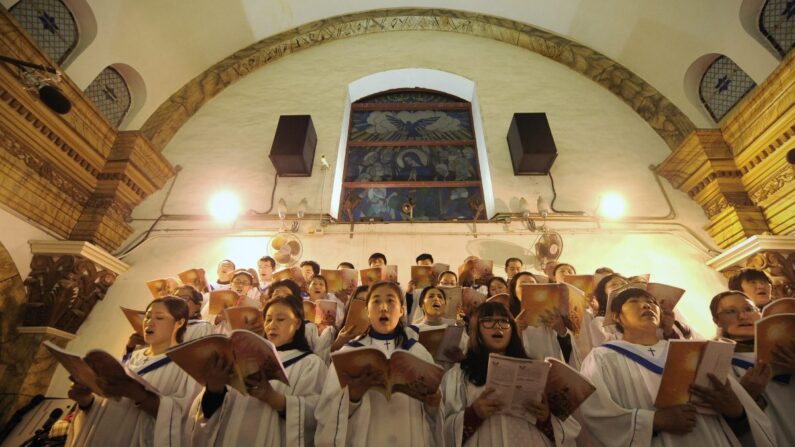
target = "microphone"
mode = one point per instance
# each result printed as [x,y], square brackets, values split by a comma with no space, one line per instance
[19,414]
[43,434]
[52,419]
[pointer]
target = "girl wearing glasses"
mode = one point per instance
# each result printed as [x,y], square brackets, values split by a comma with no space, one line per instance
[735,314]
[472,418]
[358,415]
[272,414]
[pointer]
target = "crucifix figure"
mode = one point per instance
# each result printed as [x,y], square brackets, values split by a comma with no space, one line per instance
[651,350]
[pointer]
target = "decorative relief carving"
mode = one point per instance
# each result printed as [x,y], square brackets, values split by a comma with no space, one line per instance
[779,266]
[62,290]
[112,204]
[663,116]
[735,199]
[781,178]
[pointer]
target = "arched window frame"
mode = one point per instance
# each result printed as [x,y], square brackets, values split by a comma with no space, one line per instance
[48,19]
[100,95]
[774,15]
[737,83]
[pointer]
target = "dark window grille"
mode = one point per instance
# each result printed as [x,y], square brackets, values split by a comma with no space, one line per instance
[722,86]
[777,24]
[50,24]
[110,94]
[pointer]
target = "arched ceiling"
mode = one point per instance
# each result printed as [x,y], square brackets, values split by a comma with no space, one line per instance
[171,43]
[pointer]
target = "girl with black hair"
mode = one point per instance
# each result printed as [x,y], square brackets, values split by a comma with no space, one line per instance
[273,413]
[358,415]
[472,418]
[433,302]
[140,417]
[319,339]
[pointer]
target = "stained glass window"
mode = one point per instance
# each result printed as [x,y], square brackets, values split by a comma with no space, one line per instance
[411,155]
[723,85]
[110,94]
[50,24]
[777,24]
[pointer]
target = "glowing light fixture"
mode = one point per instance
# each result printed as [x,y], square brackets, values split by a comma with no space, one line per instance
[611,206]
[224,206]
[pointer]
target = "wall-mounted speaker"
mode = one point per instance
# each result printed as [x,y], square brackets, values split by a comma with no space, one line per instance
[293,149]
[531,144]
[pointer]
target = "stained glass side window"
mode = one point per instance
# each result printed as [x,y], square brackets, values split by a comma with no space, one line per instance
[411,147]
[777,24]
[723,85]
[50,24]
[111,95]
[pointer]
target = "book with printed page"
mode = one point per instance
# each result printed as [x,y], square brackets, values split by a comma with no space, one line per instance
[608,314]
[538,300]
[370,275]
[437,269]
[566,389]
[136,319]
[244,317]
[516,381]
[475,269]
[471,298]
[772,331]
[640,278]
[320,311]
[94,368]
[502,298]
[779,306]
[422,275]
[577,303]
[667,296]
[688,362]
[221,299]
[439,341]
[582,282]
[342,280]
[293,273]
[248,353]
[390,273]
[403,372]
[454,299]
[196,278]
[158,287]
[357,321]
[310,311]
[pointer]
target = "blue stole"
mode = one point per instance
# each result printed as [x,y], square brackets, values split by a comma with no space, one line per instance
[295,359]
[783,379]
[407,344]
[628,351]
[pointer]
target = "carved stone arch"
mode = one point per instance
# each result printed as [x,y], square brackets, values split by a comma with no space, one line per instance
[661,114]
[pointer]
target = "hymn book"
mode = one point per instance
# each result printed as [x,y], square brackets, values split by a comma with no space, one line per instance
[221,299]
[244,317]
[320,311]
[94,367]
[136,319]
[195,278]
[356,320]
[566,388]
[471,298]
[779,306]
[422,275]
[293,274]
[772,331]
[439,341]
[403,372]
[453,299]
[539,300]
[583,282]
[248,353]
[502,298]
[688,362]
[342,280]
[158,287]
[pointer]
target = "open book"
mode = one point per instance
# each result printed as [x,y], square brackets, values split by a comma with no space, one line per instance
[248,352]
[244,317]
[667,296]
[221,299]
[136,319]
[93,367]
[356,321]
[771,331]
[196,278]
[422,275]
[340,280]
[454,299]
[403,372]
[439,341]
[583,282]
[540,299]
[779,306]
[293,274]
[158,287]
[471,298]
[475,269]
[320,311]
[502,298]
[688,363]
[566,389]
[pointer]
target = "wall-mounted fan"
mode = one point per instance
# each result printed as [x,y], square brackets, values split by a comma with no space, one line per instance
[548,248]
[285,248]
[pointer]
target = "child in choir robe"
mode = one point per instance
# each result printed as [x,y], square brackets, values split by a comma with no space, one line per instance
[265,267]
[273,413]
[423,259]
[512,267]
[552,340]
[141,417]
[358,416]
[197,327]
[445,279]
[310,269]
[224,272]
[735,314]
[376,260]
[471,418]
[434,302]
[497,285]
[599,332]
[627,376]
[754,283]
[319,338]
[318,291]
[346,333]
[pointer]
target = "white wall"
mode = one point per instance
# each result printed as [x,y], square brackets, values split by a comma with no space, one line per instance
[14,235]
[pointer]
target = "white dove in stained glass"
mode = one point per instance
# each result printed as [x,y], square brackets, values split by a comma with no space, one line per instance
[411,129]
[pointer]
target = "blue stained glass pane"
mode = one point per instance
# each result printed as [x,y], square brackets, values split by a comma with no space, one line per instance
[723,85]
[110,94]
[50,24]
[777,24]
[431,204]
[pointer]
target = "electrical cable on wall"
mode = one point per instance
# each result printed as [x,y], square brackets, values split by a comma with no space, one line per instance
[555,196]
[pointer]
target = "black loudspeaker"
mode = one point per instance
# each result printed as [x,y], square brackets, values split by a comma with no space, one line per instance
[293,149]
[530,142]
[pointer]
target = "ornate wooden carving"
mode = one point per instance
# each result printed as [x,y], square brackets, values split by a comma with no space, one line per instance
[62,290]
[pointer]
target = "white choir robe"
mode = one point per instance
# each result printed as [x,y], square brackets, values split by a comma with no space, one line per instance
[780,398]
[542,342]
[319,343]
[223,326]
[247,421]
[421,327]
[111,422]
[198,329]
[621,411]
[601,334]
[583,340]
[458,393]
[374,421]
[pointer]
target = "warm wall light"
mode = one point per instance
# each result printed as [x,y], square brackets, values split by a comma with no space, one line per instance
[611,206]
[224,206]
